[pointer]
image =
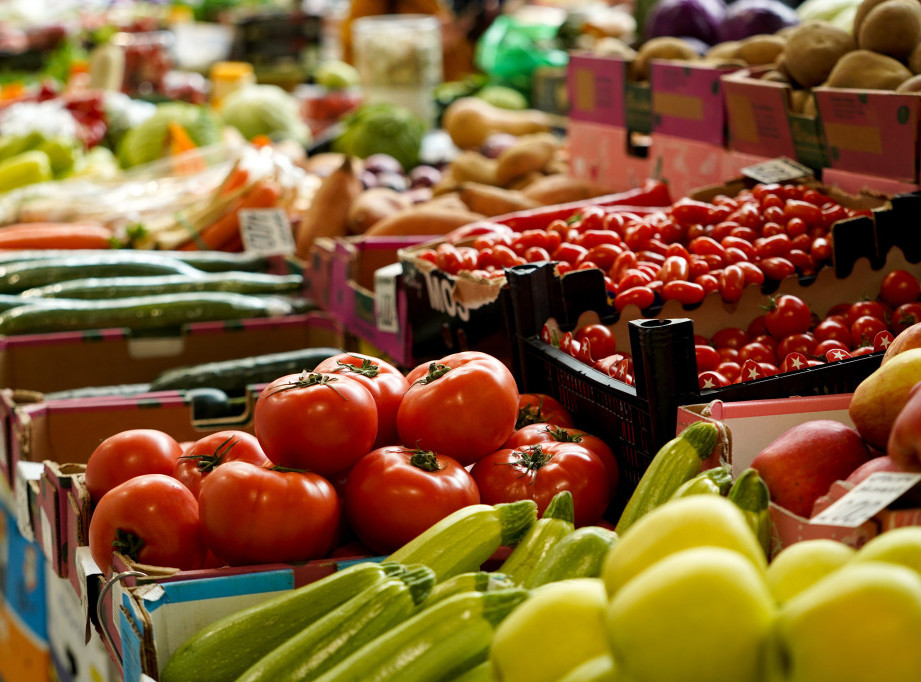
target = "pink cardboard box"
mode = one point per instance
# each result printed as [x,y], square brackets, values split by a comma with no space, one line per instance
[604,155]
[595,86]
[688,102]
[687,164]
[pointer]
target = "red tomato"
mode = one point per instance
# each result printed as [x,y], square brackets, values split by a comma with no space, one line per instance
[898,287]
[321,422]
[823,347]
[259,515]
[864,330]
[463,406]
[540,408]
[152,519]
[707,357]
[904,316]
[640,296]
[777,268]
[796,343]
[731,283]
[128,454]
[534,434]
[686,293]
[385,382]
[787,314]
[538,472]
[600,338]
[730,337]
[758,352]
[832,328]
[865,308]
[394,493]
[209,452]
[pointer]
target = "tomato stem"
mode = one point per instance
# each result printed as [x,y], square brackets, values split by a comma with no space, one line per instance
[531,414]
[561,435]
[436,371]
[305,380]
[425,460]
[367,368]
[531,458]
[206,463]
[128,543]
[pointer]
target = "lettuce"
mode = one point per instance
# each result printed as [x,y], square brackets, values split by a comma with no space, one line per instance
[382,129]
[149,141]
[264,109]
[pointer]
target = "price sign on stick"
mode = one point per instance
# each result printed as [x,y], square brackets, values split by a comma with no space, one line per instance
[868,498]
[266,231]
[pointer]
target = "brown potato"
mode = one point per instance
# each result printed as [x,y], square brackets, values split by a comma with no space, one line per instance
[866,70]
[892,28]
[862,10]
[724,50]
[760,50]
[913,84]
[614,47]
[798,100]
[813,49]
[914,59]
[663,47]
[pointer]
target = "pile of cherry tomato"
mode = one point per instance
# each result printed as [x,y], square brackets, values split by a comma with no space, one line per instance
[682,253]
[787,337]
[353,458]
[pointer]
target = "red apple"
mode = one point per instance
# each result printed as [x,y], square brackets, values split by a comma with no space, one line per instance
[871,466]
[801,464]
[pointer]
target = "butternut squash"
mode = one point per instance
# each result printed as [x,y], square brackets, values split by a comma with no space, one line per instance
[470,120]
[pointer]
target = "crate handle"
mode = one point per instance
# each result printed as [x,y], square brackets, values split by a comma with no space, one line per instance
[100,613]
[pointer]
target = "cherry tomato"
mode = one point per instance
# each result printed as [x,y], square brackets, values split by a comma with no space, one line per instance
[127,454]
[674,268]
[731,283]
[803,343]
[463,406]
[756,351]
[904,316]
[150,518]
[261,515]
[600,337]
[864,329]
[730,370]
[832,328]
[320,422]
[385,382]
[777,268]
[707,357]
[753,274]
[898,287]
[395,493]
[209,452]
[539,472]
[865,308]
[686,293]
[787,314]
[822,348]
[540,408]
[730,337]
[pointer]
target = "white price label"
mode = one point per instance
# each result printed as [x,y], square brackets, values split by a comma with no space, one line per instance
[780,169]
[266,231]
[386,312]
[867,499]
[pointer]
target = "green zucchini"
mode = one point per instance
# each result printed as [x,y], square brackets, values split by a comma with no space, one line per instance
[332,638]
[481,672]
[555,524]
[207,261]
[138,312]
[462,541]
[677,461]
[235,375]
[713,481]
[578,555]
[8,301]
[602,668]
[221,651]
[474,581]
[750,493]
[19,276]
[97,288]
[437,643]
[97,391]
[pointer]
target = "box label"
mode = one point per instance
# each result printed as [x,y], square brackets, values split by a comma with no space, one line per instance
[688,102]
[758,121]
[777,170]
[266,231]
[386,313]
[596,89]
[867,499]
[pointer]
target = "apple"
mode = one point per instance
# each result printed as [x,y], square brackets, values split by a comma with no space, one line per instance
[880,397]
[800,464]
[910,337]
[861,622]
[560,626]
[699,615]
[804,563]
[681,523]
[871,466]
[904,444]
[900,545]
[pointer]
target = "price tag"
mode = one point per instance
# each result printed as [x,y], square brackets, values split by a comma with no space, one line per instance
[868,498]
[386,314]
[778,170]
[266,231]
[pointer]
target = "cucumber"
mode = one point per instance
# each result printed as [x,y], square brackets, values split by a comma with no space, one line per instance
[207,261]
[97,288]
[555,524]
[235,375]
[19,276]
[98,391]
[474,581]
[481,672]
[750,493]
[332,638]
[677,461]
[713,481]
[580,554]
[462,541]
[223,650]
[437,643]
[138,312]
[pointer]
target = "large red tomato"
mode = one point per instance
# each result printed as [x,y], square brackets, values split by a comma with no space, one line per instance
[540,408]
[386,383]
[394,493]
[463,406]
[128,454]
[151,518]
[321,422]
[259,515]
[535,434]
[209,452]
[538,472]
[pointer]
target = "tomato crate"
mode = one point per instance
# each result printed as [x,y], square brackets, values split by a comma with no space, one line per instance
[635,420]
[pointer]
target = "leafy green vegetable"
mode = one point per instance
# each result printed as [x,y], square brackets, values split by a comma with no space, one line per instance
[264,109]
[150,140]
[382,129]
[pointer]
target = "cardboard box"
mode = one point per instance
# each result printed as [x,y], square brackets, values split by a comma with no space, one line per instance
[687,164]
[688,101]
[871,132]
[358,280]
[762,122]
[606,155]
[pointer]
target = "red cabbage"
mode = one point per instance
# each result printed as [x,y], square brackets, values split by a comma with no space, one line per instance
[700,19]
[746,18]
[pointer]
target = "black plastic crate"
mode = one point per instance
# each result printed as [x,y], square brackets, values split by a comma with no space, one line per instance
[635,420]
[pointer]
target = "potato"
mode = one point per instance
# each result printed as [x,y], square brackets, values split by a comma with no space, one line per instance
[798,100]
[862,10]
[614,47]
[775,76]
[724,50]
[892,28]
[663,47]
[372,205]
[813,49]
[913,84]
[759,50]
[866,70]
[914,59]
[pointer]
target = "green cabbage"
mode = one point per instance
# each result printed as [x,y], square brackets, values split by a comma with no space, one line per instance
[149,141]
[264,109]
[382,129]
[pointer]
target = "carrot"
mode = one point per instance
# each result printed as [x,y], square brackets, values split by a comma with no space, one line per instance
[186,159]
[264,194]
[236,178]
[55,236]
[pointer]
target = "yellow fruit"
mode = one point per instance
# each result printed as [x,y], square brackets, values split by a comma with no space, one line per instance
[804,563]
[897,546]
[879,398]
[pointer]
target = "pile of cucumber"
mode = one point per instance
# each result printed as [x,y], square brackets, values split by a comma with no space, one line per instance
[55,291]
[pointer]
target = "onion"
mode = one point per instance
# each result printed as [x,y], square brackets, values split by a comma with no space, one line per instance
[698,19]
[746,18]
